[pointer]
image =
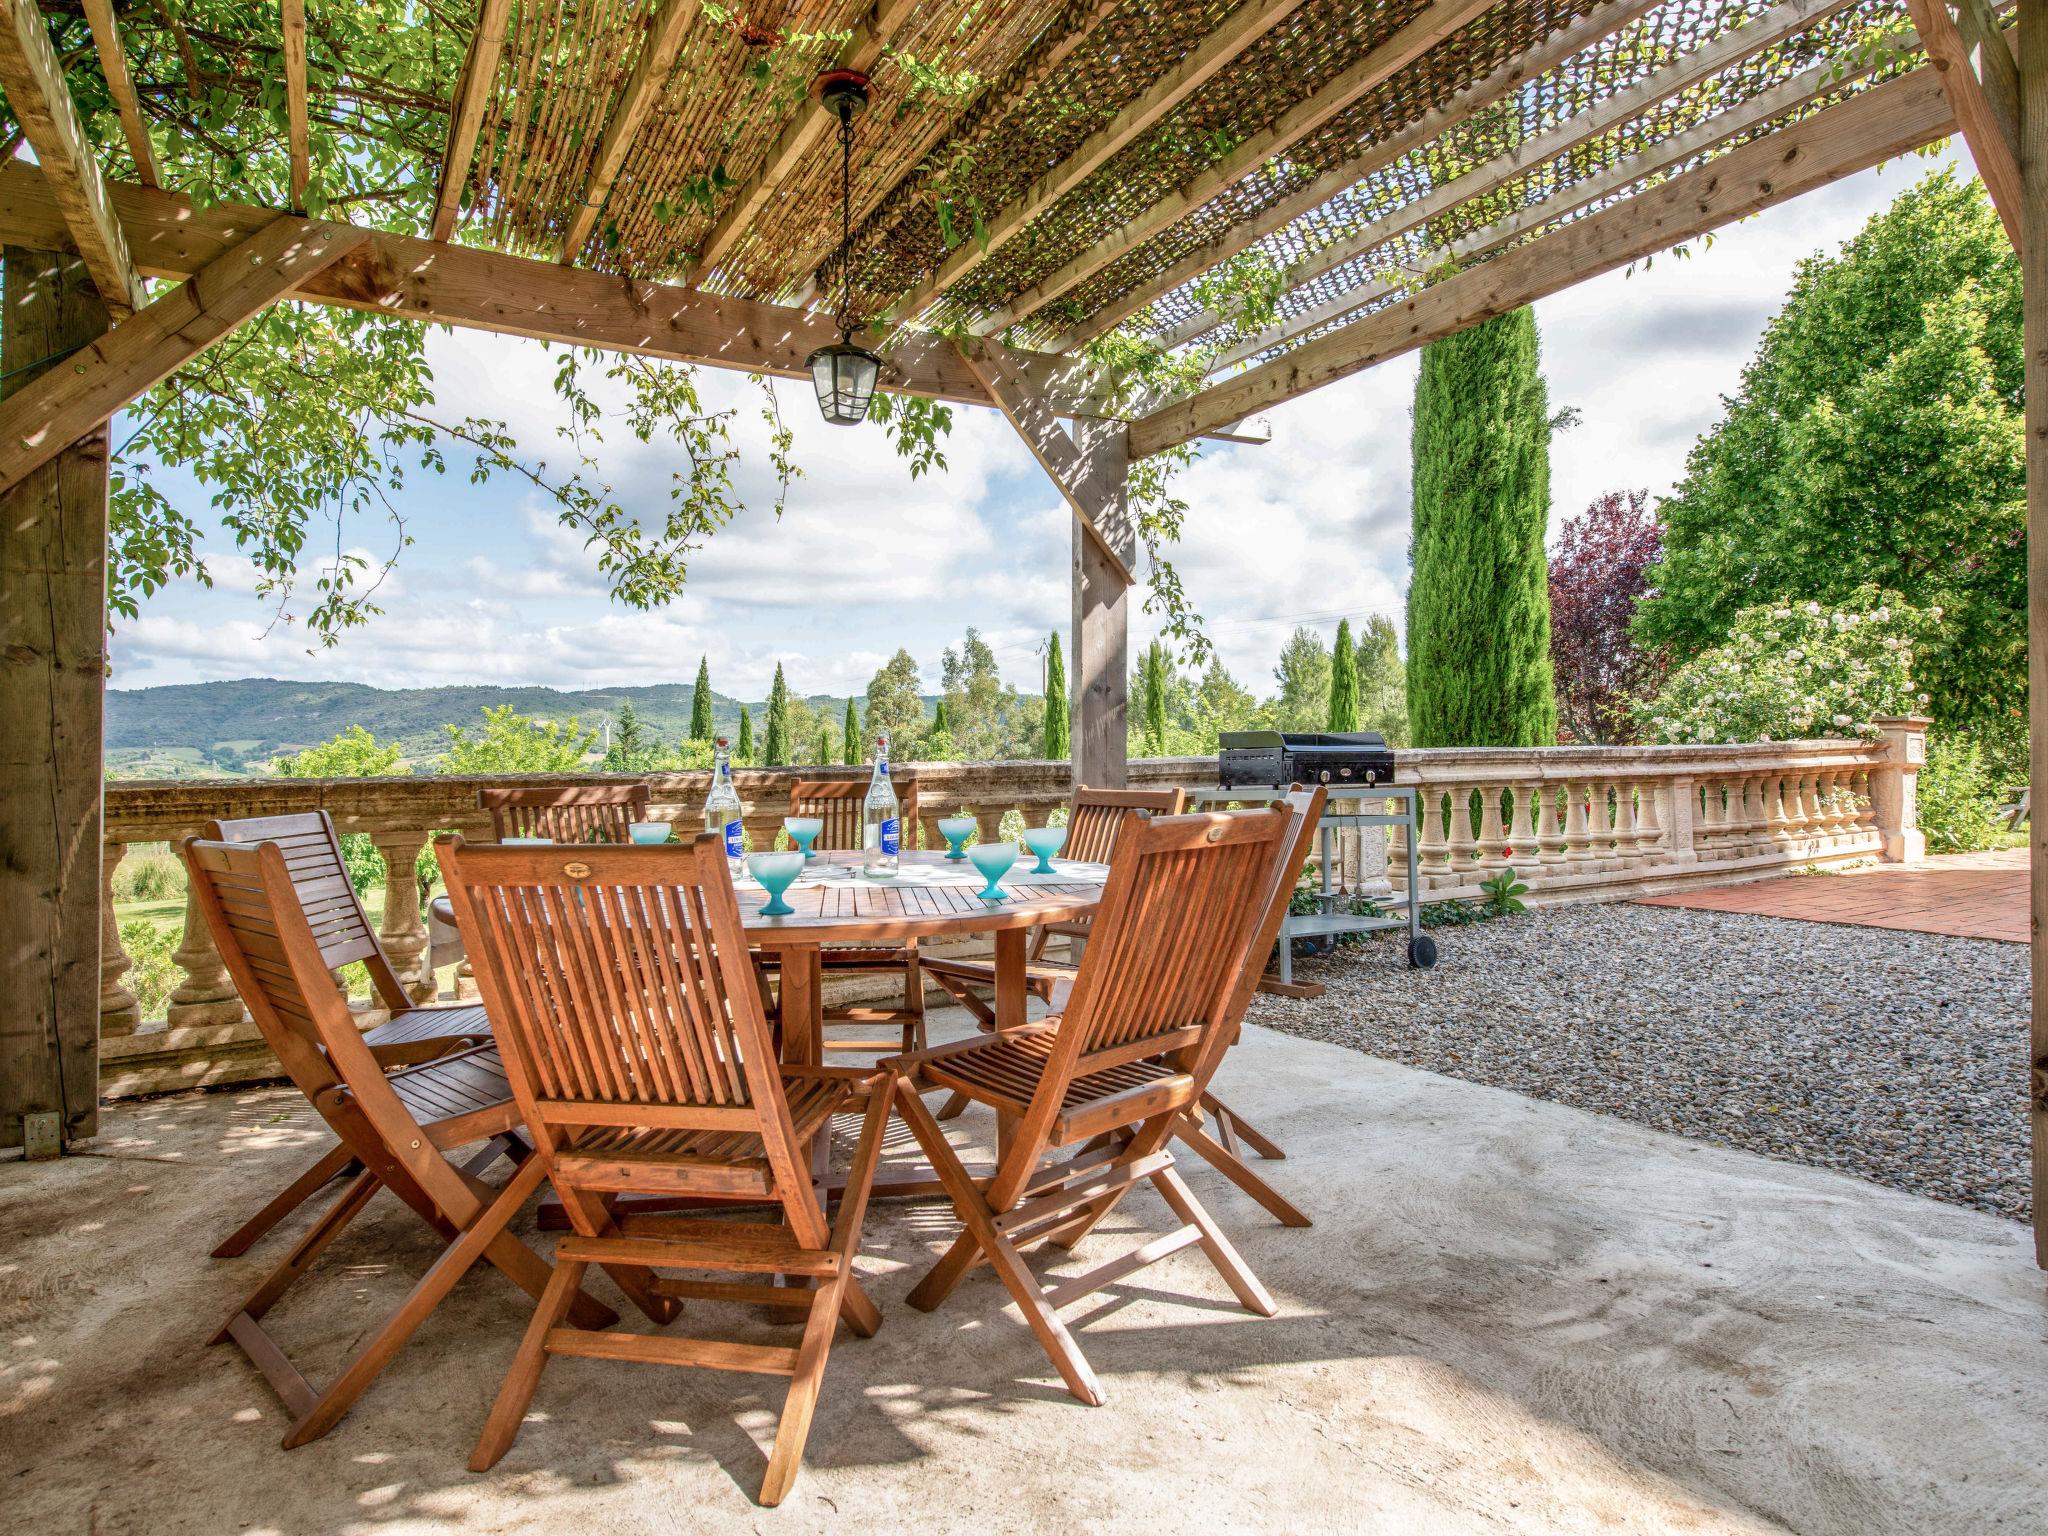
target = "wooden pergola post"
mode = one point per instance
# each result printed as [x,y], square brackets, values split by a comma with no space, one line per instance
[53,615]
[1102,615]
[2033,161]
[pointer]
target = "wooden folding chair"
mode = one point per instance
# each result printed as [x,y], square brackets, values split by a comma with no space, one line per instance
[1150,1004]
[839,804]
[621,987]
[566,813]
[399,1127]
[412,1034]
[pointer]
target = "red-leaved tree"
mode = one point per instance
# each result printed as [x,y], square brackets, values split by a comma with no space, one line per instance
[1599,571]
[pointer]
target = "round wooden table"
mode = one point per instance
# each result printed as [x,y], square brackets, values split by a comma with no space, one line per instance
[932,898]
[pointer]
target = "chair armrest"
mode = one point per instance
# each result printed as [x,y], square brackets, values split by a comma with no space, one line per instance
[907,1064]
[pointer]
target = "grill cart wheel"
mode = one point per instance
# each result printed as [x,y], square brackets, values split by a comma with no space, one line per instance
[1421,952]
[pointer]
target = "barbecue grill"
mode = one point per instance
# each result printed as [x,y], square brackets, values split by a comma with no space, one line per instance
[1278,758]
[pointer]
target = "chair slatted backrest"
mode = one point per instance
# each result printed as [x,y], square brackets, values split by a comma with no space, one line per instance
[566,813]
[621,990]
[1095,816]
[280,964]
[1184,899]
[321,886]
[839,803]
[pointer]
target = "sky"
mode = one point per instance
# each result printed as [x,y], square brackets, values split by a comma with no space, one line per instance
[1307,529]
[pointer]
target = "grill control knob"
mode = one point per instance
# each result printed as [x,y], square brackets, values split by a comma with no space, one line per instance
[1324,776]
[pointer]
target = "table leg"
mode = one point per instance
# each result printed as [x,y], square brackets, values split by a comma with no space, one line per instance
[1010,978]
[803,1007]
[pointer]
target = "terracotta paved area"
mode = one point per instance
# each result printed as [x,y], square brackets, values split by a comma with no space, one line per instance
[1967,895]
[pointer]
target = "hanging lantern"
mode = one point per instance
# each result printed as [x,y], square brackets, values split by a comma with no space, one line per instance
[844,373]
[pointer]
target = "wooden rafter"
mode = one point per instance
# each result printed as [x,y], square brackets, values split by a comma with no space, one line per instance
[1511,76]
[466,117]
[461,285]
[862,51]
[1435,23]
[1101,509]
[1875,125]
[106,40]
[644,88]
[1682,74]
[42,105]
[1659,158]
[1243,27]
[296,128]
[1986,107]
[62,405]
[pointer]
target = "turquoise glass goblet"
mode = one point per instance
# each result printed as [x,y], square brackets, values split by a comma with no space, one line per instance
[648,831]
[775,871]
[1045,842]
[956,830]
[803,831]
[994,861]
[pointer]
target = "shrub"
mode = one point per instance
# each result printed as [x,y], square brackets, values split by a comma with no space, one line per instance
[152,973]
[1956,797]
[1793,671]
[150,872]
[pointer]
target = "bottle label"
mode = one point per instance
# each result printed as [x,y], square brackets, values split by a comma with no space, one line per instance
[892,836]
[735,844]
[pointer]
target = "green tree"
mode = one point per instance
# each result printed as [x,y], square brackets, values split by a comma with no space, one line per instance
[1221,704]
[939,718]
[743,749]
[895,705]
[775,750]
[1479,596]
[1304,678]
[354,754]
[509,742]
[1155,697]
[1382,680]
[701,727]
[849,735]
[1058,741]
[1876,439]
[632,749]
[1344,682]
[984,717]
[824,745]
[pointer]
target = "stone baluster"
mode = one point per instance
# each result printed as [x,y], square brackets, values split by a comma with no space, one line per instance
[1551,848]
[1709,835]
[1578,830]
[1797,802]
[403,932]
[1649,828]
[1493,836]
[119,1011]
[1680,812]
[990,823]
[206,997]
[1777,826]
[1430,847]
[1463,847]
[1754,825]
[1522,828]
[1397,843]
[1624,822]
[1824,819]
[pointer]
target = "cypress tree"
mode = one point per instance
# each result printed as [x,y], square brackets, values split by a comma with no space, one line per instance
[701,728]
[824,744]
[1059,725]
[939,718]
[775,751]
[1479,597]
[744,751]
[1344,682]
[1155,676]
[850,735]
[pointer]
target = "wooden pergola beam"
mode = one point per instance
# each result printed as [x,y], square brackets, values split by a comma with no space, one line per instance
[1436,22]
[64,404]
[106,41]
[643,90]
[1517,72]
[1884,121]
[862,51]
[519,296]
[1991,133]
[1243,27]
[42,104]
[1717,129]
[1681,75]
[466,116]
[297,131]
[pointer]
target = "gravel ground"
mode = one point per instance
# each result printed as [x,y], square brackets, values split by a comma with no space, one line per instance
[1896,1057]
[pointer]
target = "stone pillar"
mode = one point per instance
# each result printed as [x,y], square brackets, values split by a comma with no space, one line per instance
[1893,788]
[403,932]
[119,1011]
[206,996]
[1681,803]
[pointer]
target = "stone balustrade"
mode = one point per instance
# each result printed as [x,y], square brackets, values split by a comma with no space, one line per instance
[1582,823]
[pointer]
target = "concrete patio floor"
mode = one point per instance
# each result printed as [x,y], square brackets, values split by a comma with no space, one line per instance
[1510,1316]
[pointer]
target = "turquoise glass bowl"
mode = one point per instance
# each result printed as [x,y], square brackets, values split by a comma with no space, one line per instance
[648,831]
[803,831]
[1045,842]
[956,830]
[775,871]
[994,861]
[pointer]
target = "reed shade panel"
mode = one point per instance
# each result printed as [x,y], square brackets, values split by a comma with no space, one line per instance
[567,813]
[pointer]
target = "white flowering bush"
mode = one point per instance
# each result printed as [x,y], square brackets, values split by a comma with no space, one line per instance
[1790,671]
